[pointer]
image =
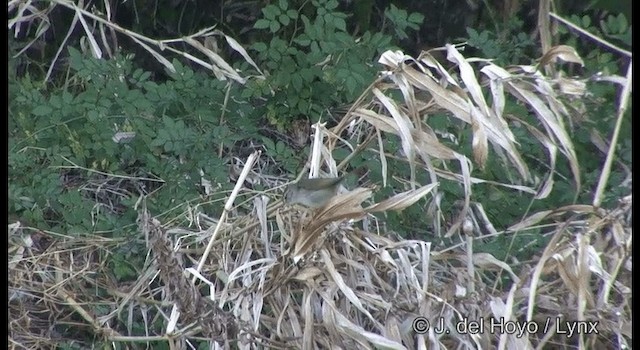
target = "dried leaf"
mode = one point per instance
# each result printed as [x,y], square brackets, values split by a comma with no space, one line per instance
[563,52]
[402,200]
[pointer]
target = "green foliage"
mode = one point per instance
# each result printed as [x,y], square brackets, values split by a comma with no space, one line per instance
[71,346]
[178,126]
[313,62]
[614,28]
[125,262]
[502,206]
[617,27]
[520,245]
[284,155]
[510,46]
[276,17]
[602,102]
[402,20]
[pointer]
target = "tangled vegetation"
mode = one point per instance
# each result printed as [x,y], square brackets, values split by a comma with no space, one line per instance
[489,203]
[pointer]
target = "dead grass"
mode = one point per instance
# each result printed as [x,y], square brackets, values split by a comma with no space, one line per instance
[353,288]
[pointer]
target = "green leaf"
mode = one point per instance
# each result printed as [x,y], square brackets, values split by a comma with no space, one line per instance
[41,110]
[293,14]
[350,85]
[55,101]
[274,26]
[168,122]
[314,47]
[331,4]
[270,12]
[275,55]
[624,25]
[344,38]
[303,40]
[262,24]
[307,74]
[291,51]
[296,82]
[268,144]
[284,19]
[260,47]
[340,24]
[280,147]
[474,39]
[309,29]
[416,18]
[328,46]
[123,271]
[75,58]
[303,106]
[614,24]
[393,8]
[93,115]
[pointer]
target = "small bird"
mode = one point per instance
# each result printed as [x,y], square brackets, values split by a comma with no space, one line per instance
[313,193]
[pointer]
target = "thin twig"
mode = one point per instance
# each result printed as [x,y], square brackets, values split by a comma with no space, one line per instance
[227,207]
[76,166]
[606,169]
